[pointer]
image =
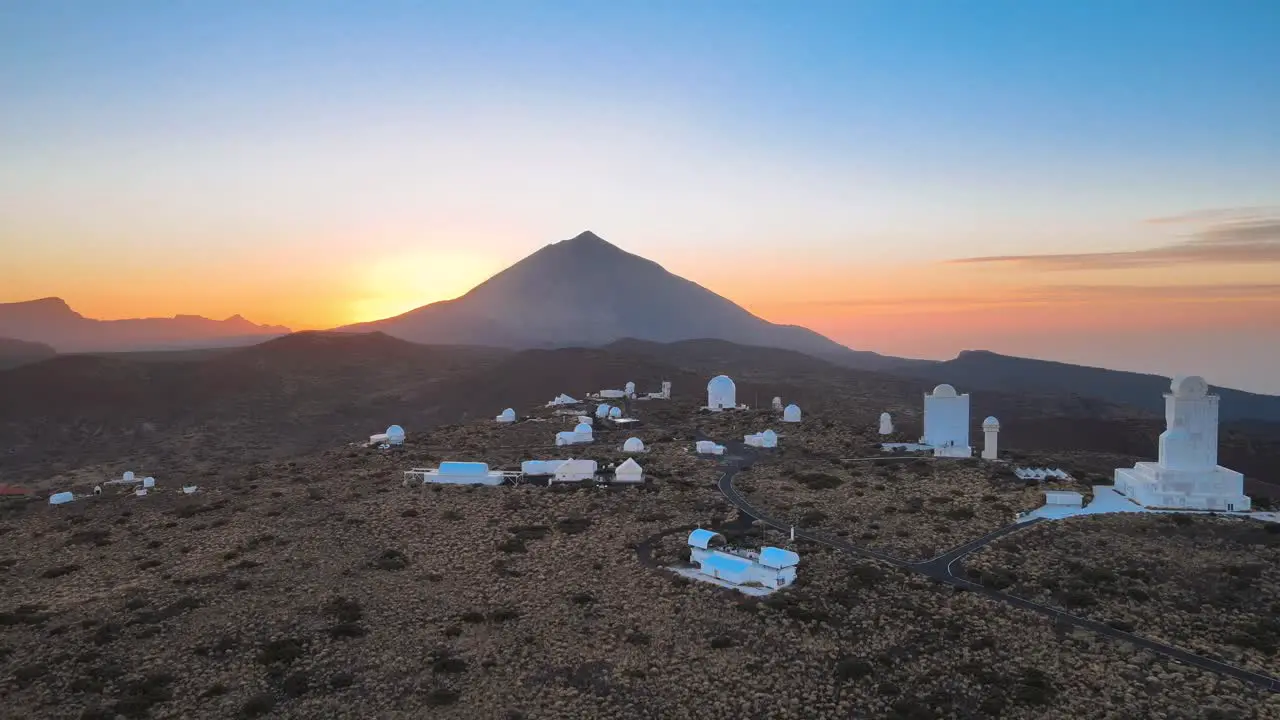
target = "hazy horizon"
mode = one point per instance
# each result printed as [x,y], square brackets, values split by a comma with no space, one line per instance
[1089,182]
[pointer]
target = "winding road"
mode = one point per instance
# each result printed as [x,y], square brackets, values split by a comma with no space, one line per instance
[941,569]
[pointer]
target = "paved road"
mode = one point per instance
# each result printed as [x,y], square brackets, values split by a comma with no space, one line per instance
[940,569]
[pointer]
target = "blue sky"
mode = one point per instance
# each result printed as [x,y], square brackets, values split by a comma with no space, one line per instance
[191,138]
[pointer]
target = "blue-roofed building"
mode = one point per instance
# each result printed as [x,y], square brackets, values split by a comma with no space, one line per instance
[771,568]
[459,473]
[727,567]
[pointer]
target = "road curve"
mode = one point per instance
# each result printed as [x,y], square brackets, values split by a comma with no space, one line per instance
[940,570]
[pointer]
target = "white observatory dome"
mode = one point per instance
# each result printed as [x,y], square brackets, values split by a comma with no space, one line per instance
[991,423]
[722,393]
[395,435]
[791,413]
[634,444]
[583,428]
[944,390]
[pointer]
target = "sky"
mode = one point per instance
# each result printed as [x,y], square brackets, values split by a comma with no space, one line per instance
[1092,181]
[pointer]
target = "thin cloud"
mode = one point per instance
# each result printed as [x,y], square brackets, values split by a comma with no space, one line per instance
[1217,215]
[1068,295]
[1241,240]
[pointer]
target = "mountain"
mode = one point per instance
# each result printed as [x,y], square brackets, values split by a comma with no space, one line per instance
[53,322]
[587,292]
[213,412]
[981,370]
[20,352]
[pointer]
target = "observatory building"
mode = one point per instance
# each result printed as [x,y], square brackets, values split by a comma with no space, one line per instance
[791,414]
[946,422]
[562,399]
[564,470]
[633,445]
[990,438]
[1187,475]
[771,567]
[458,473]
[722,394]
[766,439]
[395,435]
[580,434]
[507,416]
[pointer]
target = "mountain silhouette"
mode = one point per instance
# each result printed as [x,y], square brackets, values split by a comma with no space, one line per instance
[587,292]
[51,321]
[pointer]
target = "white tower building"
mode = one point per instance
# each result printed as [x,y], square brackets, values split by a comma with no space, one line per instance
[946,422]
[1187,474]
[791,413]
[990,438]
[722,394]
[886,424]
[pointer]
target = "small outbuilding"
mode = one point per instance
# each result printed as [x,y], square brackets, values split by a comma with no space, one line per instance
[707,447]
[507,416]
[629,472]
[633,445]
[1063,497]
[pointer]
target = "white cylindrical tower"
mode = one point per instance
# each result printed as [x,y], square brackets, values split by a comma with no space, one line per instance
[990,434]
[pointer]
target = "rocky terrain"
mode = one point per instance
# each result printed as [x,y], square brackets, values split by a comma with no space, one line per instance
[326,589]
[1209,584]
[322,587]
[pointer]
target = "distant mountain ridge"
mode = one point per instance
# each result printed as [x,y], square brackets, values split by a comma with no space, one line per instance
[976,370]
[51,321]
[586,292]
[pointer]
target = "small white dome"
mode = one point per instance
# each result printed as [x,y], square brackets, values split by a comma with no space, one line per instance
[770,436]
[992,423]
[944,390]
[615,412]
[885,416]
[1190,386]
[634,444]
[583,428]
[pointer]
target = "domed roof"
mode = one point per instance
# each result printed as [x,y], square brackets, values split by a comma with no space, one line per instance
[991,422]
[615,412]
[769,435]
[944,390]
[885,416]
[719,382]
[792,408]
[583,428]
[1190,386]
[634,444]
[395,431]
